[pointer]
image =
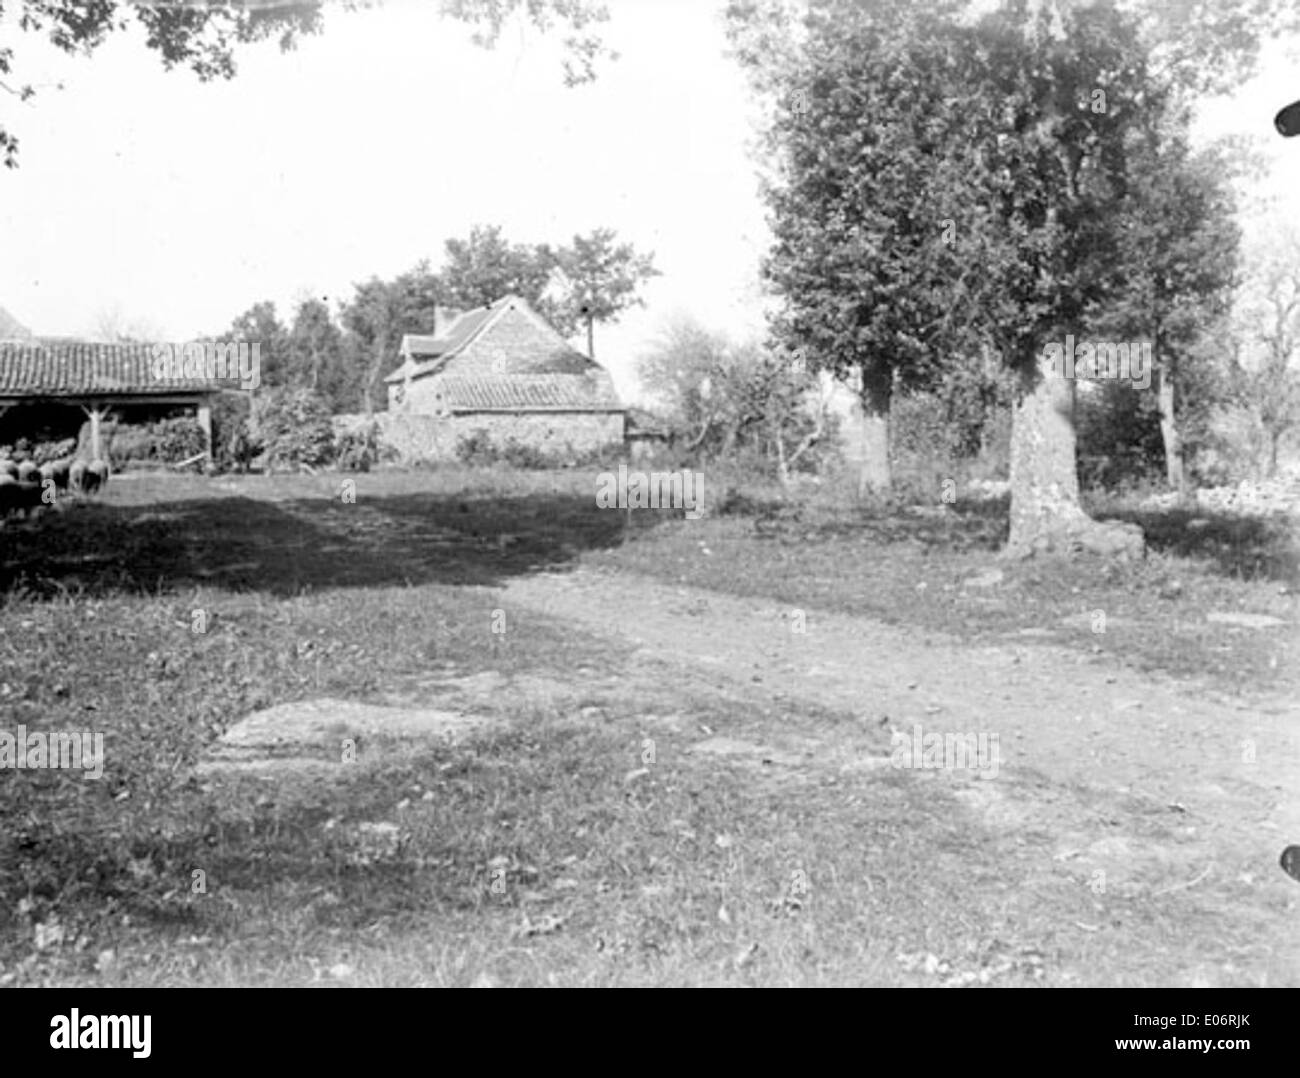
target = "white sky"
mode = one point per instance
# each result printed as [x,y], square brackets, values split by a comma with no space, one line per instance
[178,204]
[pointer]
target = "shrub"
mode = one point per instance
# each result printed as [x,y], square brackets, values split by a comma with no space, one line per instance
[295,428]
[476,448]
[233,444]
[165,441]
[359,450]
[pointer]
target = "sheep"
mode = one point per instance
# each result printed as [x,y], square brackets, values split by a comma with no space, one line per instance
[77,476]
[61,470]
[8,494]
[8,467]
[27,471]
[20,497]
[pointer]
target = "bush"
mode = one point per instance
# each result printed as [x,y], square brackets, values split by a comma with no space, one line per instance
[233,444]
[165,441]
[359,450]
[1118,436]
[476,448]
[295,428]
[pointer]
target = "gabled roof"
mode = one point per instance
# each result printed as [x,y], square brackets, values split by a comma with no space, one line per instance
[11,329]
[424,355]
[61,367]
[427,353]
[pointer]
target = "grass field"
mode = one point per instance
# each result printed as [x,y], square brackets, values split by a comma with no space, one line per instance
[609,823]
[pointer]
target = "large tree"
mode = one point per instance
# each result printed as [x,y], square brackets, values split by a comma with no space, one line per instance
[205,36]
[857,175]
[261,325]
[1178,246]
[1008,134]
[315,353]
[599,279]
[1266,369]
[486,266]
[377,316]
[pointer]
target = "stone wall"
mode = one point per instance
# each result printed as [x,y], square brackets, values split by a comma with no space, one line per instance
[550,432]
[433,438]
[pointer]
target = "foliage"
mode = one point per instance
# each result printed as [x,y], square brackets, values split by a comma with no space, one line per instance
[485,267]
[295,428]
[233,444]
[164,441]
[314,353]
[600,278]
[1265,368]
[378,315]
[1119,442]
[261,325]
[723,399]
[359,449]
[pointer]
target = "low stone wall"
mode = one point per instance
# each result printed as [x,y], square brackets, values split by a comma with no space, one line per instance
[425,438]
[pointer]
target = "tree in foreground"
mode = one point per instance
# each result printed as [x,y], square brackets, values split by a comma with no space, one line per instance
[951,180]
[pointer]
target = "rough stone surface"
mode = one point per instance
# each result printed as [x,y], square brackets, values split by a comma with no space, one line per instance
[1246,621]
[305,733]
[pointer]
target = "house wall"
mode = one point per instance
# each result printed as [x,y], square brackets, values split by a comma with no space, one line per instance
[549,432]
[516,344]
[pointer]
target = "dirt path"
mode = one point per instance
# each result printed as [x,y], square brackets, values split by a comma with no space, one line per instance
[1160,788]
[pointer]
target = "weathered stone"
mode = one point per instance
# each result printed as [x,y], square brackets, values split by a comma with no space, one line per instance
[299,735]
[1246,621]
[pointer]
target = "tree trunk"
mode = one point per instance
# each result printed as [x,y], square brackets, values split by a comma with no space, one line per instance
[1173,442]
[591,339]
[376,368]
[874,473]
[1045,513]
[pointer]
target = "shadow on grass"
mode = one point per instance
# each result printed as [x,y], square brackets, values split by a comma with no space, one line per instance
[283,548]
[1235,547]
[1238,547]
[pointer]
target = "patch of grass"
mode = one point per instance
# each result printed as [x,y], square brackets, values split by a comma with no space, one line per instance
[693,871]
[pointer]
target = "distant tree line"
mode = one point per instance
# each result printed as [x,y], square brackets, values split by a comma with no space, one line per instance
[342,354]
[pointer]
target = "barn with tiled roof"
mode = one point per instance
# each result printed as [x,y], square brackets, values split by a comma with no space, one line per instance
[49,385]
[503,370]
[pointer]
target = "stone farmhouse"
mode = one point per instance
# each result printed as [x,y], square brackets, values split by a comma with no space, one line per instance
[503,370]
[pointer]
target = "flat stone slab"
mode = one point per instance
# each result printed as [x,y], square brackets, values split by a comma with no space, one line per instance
[306,733]
[1246,621]
[729,746]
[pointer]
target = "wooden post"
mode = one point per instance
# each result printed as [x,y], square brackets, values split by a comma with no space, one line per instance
[205,424]
[94,414]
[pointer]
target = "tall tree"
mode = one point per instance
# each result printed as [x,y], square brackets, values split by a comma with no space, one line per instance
[315,352]
[261,325]
[1178,243]
[205,37]
[600,279]
[486,266]
[860,258]
[1266,371]
[1017,142]
[377,316]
